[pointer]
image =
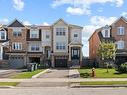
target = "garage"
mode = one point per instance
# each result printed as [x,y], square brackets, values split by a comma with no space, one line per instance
[16,62]
[61,62]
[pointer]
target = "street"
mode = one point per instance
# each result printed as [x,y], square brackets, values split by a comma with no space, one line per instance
[62,91]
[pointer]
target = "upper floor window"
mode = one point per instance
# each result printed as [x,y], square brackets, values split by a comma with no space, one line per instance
[34,34]
[75,35]
[120,31]
[17,46]
[60,31]
[47,36]
[120,44]
[106,33]
[60,46]
[2,35]
[17,32]
[35,47]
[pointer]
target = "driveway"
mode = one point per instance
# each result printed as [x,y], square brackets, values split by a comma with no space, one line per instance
[56,73]
[9,73]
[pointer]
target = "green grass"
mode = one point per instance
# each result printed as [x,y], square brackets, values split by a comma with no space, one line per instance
[101,73]
[8,83]
[25,75]
[105,83]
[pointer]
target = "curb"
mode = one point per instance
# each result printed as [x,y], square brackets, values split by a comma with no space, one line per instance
[98,86]
[6,87]
[37,75]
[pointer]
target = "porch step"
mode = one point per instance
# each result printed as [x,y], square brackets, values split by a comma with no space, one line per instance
[75,64]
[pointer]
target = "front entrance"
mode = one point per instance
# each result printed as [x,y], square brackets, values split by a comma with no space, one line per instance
[75,53]
[34,60]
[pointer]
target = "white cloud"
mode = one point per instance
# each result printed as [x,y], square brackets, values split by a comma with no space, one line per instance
[101,20]
[26,23]
[4,21]
[77,11]
[18,4]
[83,6]
[45,24]
[124,14]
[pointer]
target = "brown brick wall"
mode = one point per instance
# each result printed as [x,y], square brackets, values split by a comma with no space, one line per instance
[93,45]
[21,39]
[114,31]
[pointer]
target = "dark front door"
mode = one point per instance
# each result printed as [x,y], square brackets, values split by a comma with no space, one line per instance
[75,52]
[60,62]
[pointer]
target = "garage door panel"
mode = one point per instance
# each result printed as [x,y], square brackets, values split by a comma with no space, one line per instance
[60,62]
[16,62]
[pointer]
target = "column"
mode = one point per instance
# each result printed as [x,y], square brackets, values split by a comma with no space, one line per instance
[69,59]
[80,56]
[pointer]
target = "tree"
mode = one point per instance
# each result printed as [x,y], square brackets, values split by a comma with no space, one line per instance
[107,52]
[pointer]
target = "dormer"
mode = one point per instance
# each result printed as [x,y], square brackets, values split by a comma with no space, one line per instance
[106,31]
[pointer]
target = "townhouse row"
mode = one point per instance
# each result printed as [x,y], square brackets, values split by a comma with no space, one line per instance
[56,45]
[117,33]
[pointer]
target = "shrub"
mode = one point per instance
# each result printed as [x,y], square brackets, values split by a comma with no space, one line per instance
[123,68]
[110,66]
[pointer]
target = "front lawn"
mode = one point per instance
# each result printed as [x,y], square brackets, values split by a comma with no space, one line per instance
[8,83]
[105,83]
[25,75]
[101,73]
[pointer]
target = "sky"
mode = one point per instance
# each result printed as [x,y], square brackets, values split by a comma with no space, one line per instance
[90,14]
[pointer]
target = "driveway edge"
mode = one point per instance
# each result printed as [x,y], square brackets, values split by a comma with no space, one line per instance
[37,75]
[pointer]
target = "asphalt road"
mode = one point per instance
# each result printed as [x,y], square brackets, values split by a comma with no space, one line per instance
[63,91]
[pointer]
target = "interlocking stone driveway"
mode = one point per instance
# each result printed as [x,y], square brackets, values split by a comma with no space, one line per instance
[56,73]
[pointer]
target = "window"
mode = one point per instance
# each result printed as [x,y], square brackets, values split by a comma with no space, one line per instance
[17,32]
[2,35]
[34,34]
[60,46]
[120,45]
[106,33]
[47,36]
[120,31]
[75,35]
[17,46]
[35,48]
[60,31]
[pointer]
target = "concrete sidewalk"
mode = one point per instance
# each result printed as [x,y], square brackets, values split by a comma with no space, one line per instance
[62,79]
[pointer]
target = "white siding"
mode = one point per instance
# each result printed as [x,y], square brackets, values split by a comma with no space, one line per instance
[79,35]
[45,41]
[60,39]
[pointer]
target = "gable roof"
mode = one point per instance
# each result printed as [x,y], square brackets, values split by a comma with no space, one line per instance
[121,18]
[15,23]
[59,21]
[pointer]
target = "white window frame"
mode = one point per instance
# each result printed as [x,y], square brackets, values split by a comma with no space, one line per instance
[121,30]
[18,32]
[60,46]
[35,46]
[120,44]
[60,31]
[75,35]
[34,33]
[18,46]
[1,35]
[106,30]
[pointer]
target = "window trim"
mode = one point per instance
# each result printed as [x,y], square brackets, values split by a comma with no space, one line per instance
[16,43]
[34,32]
[60,46]
[119,30]
[35,46]
[4,35]
[120,44]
